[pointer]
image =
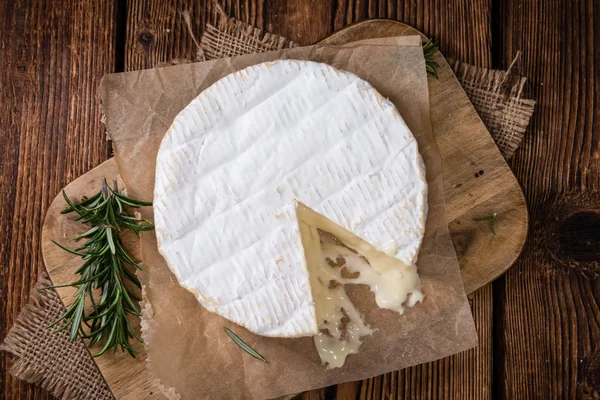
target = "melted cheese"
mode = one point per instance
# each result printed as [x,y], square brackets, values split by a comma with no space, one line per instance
[332,264]
[340,324]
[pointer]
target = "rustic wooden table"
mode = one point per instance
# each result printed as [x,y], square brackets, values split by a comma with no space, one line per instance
[539,324]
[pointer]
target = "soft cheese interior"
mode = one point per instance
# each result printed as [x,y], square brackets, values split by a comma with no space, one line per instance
[344,258]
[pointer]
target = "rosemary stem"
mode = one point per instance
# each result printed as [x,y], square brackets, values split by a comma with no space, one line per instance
[105,267]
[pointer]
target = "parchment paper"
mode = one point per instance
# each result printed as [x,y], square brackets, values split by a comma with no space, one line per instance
[187,347]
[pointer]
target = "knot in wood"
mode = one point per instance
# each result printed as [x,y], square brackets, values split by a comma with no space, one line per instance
[568,229]
[146,38]
[588,382]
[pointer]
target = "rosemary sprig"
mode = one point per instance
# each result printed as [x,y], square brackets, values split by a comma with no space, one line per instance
[236,339]
[431,47]
[105,267]
[491,218]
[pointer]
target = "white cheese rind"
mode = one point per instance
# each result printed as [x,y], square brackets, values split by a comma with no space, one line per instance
[236,160]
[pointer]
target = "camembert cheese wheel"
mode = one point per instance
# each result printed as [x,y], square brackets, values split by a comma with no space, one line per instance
[260,162]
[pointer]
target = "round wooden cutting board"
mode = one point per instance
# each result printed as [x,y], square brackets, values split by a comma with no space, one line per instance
[466,148]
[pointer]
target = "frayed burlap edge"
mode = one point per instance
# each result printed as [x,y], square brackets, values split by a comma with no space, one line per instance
[231,37]
[52,360]
[499,98]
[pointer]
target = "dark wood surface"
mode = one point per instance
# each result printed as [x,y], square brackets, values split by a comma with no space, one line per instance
[539,324]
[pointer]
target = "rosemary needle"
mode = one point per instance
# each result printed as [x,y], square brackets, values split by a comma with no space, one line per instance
[105,267]
[236,339]
[491,218]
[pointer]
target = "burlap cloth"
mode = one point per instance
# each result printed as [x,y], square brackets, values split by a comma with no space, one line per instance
[67,369]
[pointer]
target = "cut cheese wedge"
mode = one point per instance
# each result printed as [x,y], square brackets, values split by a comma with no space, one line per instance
[336,257]
[260,162]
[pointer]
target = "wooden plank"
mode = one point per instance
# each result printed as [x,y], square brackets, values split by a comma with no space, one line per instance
[549,302]
[466,375]
[53,57]
[156,31]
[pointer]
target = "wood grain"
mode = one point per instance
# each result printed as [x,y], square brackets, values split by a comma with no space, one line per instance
[156,31]
[52,57]
[549,302]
